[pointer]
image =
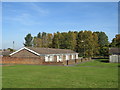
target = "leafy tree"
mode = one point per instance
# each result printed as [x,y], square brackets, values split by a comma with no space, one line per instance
[104,51]
[28,40]
[116,41]
[96,45]
[64,41]
[49,40]
[37,42]
[102,39]
[55,41]
[103,43]
[44,39]
[44,34]
[87,43]
[39,35]
[72,40]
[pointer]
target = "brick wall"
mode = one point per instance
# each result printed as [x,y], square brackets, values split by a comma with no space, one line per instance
[15,60]
[39,61]
[55,58]
[69,62]
[64,57]
[24,53]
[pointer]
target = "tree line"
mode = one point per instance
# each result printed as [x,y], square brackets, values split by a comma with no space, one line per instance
[86,43]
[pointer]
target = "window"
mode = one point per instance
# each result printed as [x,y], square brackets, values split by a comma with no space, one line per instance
[72,57]
[76,56]
[59,58]
[67,57]
[48,58]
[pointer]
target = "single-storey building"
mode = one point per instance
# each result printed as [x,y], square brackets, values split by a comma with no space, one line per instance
[47,54]
[114,55]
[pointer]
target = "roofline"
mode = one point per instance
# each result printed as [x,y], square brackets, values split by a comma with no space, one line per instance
[60,54]
[26,49]
[37,53]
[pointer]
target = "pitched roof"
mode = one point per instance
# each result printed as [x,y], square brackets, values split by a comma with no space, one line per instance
[50,50]
[39,51]
[114,50]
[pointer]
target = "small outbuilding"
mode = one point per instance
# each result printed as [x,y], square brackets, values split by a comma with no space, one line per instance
[114,56]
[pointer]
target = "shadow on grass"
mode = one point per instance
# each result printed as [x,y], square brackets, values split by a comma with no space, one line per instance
[103,60]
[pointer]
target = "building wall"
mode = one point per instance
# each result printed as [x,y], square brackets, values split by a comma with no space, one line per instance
[24,53]
[39,61]
[64,57]
[16,60]
[114,58]
[60,57]
[47,58]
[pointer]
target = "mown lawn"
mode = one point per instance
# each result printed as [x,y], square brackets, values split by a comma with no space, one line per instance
[94,74]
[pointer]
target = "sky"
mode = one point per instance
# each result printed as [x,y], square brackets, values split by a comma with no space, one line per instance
[21,18]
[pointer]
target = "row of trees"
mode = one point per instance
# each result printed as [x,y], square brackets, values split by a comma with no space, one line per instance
[41,40]
[86,43]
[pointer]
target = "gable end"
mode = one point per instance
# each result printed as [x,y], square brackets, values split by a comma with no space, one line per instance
[24,48]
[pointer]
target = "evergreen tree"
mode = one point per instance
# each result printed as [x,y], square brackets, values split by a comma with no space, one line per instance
[28,40]
[39,35]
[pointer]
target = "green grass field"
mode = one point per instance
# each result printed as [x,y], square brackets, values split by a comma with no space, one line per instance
[94,74]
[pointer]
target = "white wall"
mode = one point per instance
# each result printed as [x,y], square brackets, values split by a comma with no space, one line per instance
[59,58]
[72,57]
[67,57]
[76,56]
[114,58]
[46,58]
[49,58]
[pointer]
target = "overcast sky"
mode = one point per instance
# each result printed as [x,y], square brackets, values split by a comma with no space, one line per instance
[20,18]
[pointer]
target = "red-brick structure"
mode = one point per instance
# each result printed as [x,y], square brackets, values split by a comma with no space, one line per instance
[40,56]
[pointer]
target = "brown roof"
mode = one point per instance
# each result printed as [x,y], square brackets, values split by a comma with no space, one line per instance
[114,50]
[5,53]
[50,50]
